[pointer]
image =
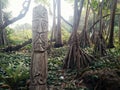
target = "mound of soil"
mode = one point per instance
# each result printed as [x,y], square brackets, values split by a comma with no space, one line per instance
[104,79]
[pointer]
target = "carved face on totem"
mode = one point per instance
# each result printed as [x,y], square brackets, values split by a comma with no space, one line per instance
[40,28]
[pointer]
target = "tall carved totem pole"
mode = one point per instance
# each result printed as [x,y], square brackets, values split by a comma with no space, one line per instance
[38,74]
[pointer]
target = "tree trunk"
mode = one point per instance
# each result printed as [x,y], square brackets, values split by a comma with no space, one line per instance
[76,57]
[23,12]
[3,39]
[53,31]
[84,38]
[54,22]
[38,74]
[4,24]
[100,46]
[119,31]
[58,42]
[111,26]
[94,27]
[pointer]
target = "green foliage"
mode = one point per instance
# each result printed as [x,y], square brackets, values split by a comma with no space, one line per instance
[16,75]
[57,77]
[94,4]
[55,62]
[65,35]
[9,31]
[18,36]
[25,26]
[112,60]
[14,70]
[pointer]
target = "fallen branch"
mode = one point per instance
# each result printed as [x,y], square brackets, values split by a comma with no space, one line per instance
[17,47]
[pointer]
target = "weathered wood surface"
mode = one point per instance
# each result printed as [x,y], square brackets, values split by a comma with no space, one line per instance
[39,54]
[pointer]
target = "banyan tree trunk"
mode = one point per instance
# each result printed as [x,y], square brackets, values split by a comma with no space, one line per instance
[58,40]
[119,31]
[111,26]
[84,38]
[53,36]
[38,73]
[100,45]
[3,39]
[76,57]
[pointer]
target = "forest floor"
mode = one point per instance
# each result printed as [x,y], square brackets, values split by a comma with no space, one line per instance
[104,74]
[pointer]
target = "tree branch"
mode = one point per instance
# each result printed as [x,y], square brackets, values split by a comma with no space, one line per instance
[66,21]
[80,11]
[26,5]
[99,20]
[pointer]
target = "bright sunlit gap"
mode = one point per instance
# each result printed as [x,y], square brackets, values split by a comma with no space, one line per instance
[16,7]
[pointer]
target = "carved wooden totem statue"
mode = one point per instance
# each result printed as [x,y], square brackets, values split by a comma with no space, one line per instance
[39,54]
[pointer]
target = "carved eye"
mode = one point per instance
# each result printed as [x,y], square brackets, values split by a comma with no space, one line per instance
[44,14]
[44,25]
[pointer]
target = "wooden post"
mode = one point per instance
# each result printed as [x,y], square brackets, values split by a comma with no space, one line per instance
[38,74]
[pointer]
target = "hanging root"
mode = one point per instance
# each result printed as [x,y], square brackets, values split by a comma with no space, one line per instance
[100,46]
[84,39]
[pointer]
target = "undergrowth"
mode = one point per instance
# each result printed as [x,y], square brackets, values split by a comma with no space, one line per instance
[14,69]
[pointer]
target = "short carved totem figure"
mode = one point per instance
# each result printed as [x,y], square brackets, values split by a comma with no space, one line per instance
[38,74]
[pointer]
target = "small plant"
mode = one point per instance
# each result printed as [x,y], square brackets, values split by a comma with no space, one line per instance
[14,71]
[15,75]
